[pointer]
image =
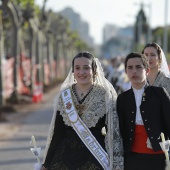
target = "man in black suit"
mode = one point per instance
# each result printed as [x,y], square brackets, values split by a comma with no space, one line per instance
[144,112]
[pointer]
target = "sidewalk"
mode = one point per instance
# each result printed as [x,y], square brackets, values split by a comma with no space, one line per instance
[19,111]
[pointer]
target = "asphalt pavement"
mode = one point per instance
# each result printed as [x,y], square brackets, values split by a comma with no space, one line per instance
[15,133]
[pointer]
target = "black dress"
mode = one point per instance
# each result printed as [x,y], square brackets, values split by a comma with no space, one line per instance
[68,152]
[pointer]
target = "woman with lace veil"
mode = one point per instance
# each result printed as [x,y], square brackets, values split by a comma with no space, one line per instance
[159,74]
[84,132]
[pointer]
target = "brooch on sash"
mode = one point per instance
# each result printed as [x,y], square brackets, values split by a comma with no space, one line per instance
[68,105]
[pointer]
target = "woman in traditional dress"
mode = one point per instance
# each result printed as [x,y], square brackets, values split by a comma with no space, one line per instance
[159,74]
[84,132]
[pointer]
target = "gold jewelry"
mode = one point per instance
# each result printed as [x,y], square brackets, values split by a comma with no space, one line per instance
[80,108]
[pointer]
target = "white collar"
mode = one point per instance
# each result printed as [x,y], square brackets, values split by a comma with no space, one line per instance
[138,90]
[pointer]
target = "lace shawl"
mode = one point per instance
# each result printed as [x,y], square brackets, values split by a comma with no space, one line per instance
[162,81]
[91,110]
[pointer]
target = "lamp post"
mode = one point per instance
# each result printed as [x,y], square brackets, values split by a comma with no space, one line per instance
[165,35]
[149,23]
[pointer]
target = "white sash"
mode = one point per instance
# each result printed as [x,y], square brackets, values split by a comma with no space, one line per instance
[83,131]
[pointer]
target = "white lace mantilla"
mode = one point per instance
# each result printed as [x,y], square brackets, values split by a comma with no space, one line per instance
[162,81]
[91,110]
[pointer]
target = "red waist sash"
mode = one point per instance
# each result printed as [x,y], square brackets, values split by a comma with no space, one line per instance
[139,142]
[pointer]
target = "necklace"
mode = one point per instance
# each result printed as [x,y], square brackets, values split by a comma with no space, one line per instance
[82,93]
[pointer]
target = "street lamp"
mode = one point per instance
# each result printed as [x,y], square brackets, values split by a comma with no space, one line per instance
[165,37]
[149,22]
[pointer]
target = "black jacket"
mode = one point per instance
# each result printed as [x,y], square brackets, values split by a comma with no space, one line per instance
[155,112]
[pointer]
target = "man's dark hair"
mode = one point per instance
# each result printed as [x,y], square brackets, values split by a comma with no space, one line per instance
[143,58]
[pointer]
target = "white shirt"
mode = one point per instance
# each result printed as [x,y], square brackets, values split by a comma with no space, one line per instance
[138,98]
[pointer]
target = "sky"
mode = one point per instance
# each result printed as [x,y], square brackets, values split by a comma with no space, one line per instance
[122,13]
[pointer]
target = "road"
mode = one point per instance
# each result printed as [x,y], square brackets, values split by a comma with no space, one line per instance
[15,151]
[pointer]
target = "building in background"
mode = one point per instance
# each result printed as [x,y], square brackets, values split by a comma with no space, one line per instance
[77,24]
[117,41]
[109,31]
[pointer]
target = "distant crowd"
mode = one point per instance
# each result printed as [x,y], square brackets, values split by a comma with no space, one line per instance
[115,73]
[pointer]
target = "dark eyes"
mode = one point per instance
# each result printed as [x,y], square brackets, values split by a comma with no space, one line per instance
[137,67]
[152,55]
[85,68]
